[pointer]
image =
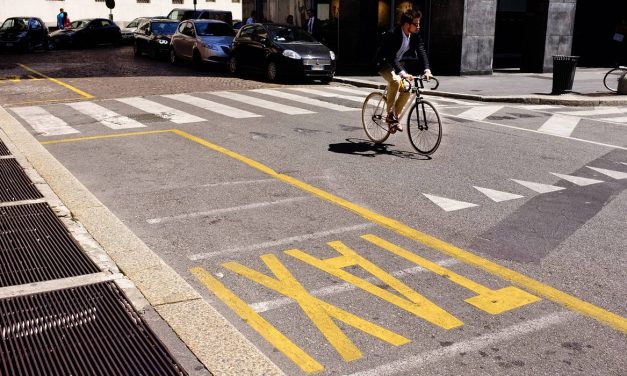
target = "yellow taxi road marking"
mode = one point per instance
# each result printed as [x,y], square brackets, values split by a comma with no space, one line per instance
[319,312]
[571,302]
[258,323]
[490,301]
[100,137]
[58,82]
[415,302]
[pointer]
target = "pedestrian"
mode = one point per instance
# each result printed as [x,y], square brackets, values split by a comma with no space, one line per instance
[290,20]
[394,45]
[313,26]
[252,19]
[66,21]
[60,22]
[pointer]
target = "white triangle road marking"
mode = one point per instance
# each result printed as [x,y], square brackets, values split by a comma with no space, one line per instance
[538,187]
[497,196]
[578,180]
[560,125]
[480,112]
[449,204]
[611,173]
[624,163]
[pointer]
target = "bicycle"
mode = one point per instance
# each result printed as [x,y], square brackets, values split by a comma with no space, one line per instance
[424,127]
[612,78]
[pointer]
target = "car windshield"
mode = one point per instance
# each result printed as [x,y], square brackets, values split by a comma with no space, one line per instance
[285,34]
[15,24]
[214,29]
[133,23]
[79,24]
[164,27]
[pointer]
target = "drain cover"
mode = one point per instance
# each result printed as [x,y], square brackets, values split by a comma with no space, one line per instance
[3,149]
[35,246]
[14,184]
[87,330]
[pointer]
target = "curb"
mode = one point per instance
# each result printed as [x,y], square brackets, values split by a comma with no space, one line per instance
[569,99]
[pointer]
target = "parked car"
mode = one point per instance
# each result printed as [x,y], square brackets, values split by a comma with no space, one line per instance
[281,50]
[23,33]
[182,14]
[88,32]
[153,36]
[202,41]
[128,31]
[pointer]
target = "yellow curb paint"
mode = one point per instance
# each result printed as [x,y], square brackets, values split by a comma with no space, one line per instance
[571,302]
[490,301]
[100,137]
[319,312]
[258,323]
[58,82]
[415,302]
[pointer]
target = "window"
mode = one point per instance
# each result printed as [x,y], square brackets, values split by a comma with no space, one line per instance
[177,1]
[143,1]
[210,1]
[181,27]
[100,1]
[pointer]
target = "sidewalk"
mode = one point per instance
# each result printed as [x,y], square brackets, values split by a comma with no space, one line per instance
[530,88]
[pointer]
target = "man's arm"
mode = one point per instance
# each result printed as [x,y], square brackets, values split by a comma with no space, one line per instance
[421,52]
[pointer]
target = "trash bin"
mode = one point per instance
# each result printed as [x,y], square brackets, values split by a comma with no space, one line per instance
[563,73]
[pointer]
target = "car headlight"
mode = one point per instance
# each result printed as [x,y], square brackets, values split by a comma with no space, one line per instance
[332,55]
[291,54]
[163,41]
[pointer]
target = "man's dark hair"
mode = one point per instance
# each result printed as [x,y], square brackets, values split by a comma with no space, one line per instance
[408,17]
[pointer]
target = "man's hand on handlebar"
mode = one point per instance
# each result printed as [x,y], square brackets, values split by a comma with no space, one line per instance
[427,75]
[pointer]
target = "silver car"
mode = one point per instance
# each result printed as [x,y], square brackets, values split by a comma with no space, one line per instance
[202,41]
[128,31]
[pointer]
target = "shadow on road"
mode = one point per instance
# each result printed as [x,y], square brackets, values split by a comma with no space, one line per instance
[367,148]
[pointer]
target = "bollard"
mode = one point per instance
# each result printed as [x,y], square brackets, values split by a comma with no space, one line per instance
[563,73]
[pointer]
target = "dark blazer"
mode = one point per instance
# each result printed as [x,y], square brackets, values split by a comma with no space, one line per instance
[391,43]
[317,28]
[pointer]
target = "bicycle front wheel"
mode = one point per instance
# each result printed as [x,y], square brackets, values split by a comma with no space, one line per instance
[424,128]
[373,118]
[611,79]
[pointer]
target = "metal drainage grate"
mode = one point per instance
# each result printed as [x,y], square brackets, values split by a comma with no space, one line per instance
[87,330]
[3,149]
[14,184]
[35,246]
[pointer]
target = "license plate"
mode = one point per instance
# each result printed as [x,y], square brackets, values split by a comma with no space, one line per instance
[317,67]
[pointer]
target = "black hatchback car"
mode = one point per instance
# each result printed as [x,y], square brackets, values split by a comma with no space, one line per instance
[86,33]
[23,33]
[281,51]
[153,36]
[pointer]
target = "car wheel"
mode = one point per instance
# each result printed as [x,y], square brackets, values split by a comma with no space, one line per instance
[326,80]
[233,68]
[272,71]
[154,52]
[173,58]
[28,47]
[197,59]
[136,49]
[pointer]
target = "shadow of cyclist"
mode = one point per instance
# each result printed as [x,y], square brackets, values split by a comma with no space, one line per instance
[367,148]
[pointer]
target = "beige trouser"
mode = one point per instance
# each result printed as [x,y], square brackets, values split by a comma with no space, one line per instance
[394,84]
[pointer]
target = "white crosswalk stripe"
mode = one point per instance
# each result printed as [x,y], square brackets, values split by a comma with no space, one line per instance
[596,111]
[361,92]
[560,125]
[327,94]
[43,122]
[163,111]
[105,116]
[253,101]
[480,112]
[206,104]
[306,100]
[620,119]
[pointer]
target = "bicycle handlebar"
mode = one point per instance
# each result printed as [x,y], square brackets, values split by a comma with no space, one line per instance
[419,84]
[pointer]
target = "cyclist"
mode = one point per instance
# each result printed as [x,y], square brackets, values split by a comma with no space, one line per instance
[396,43]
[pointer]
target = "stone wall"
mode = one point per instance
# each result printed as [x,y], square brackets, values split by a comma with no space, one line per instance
[559,31]
[478,37]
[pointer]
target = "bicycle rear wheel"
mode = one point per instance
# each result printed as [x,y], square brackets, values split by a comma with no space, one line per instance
[611,79]
[424,127]
[373,118]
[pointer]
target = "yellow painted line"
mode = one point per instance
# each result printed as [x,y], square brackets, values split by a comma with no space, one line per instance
[258,323]
[58,82]
[34,78]
[100,137]
[319,312]
[569,301]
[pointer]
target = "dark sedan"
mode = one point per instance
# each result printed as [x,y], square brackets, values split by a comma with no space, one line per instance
[86,33]
[281,50]
[23,33]
[153,36]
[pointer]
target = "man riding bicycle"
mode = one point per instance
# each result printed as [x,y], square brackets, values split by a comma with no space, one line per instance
[395,44]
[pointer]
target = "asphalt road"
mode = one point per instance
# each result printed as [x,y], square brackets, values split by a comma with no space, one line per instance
[501,254]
